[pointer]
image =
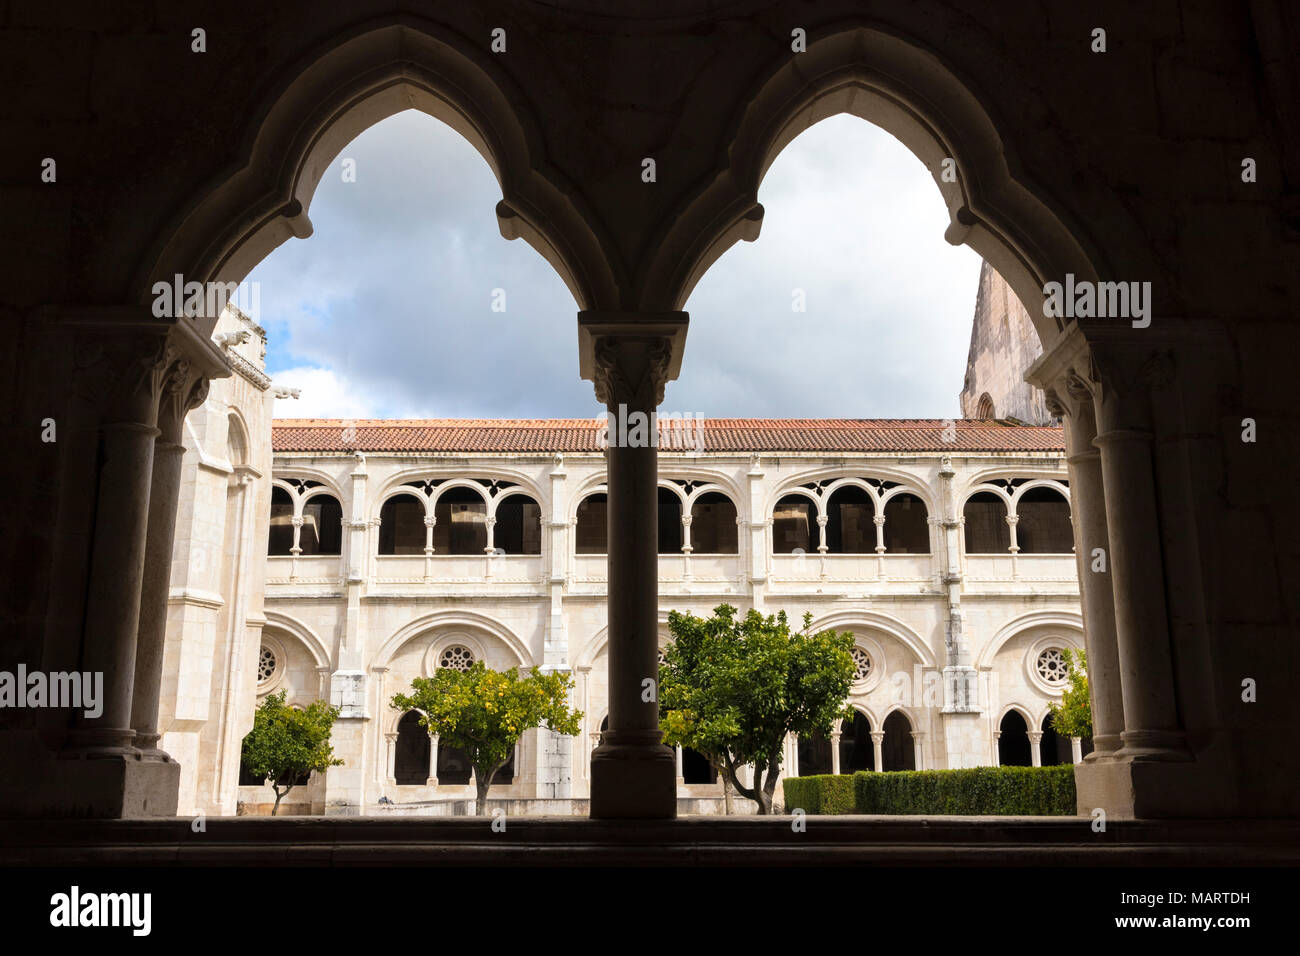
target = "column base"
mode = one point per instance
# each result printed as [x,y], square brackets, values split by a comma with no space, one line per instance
[1129,787]
[633,782]
[108,787]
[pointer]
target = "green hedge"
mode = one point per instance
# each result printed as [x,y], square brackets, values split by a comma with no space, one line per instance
[823,794]
[993,791]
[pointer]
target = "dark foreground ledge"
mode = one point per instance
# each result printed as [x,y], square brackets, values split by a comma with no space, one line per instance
[690,841]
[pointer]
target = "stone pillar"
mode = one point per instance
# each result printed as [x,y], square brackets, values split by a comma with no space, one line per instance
[183,389]
[835,752]
[1074,403]
[630,359]
[1076,749]
[391,762]
[1148,772]
[125,359]
[432,779]
[1035,748]
[1151,728]
[877,739]
[918,749]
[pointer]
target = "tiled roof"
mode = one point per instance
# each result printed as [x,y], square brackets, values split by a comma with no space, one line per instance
[742,435]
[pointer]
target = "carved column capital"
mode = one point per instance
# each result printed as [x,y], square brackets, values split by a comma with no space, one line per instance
[630,357]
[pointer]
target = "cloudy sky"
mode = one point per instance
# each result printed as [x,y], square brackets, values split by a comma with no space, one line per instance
[385,312]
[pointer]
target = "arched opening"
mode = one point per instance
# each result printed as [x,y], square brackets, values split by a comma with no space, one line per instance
[1043,522]
[1013,741]
[454,768]
[460,525]
[984,409]
[518,529]
[590,531]
[670,522]
[401,525]
[696,767]
[794,526]
[322,525]
[814,755]
[280,536]
[236,442]
[985,518]
[907,525]
[411,760]
[850,522]
[713,524]
[897,750]
[1053,749]
[856,749]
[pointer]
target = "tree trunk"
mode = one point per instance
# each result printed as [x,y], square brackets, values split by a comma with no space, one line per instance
[769,788]
[762,795]
[278,797]
[755,793]
[482,782]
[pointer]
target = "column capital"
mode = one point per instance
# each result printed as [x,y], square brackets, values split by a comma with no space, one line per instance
[631,356]
[127,358]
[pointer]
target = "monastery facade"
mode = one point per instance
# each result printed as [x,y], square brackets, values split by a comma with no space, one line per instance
[346,558]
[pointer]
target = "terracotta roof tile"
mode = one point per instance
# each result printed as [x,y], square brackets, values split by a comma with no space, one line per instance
[741,435]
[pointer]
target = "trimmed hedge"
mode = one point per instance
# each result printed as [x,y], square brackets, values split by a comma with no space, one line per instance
[822,794]
[980,791]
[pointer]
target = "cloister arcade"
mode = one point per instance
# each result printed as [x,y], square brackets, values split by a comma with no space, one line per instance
[1192,601]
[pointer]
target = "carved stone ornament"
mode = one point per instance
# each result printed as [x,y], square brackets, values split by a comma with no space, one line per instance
[632,371]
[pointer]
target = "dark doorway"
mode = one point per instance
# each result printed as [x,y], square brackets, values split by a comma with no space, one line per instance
[897,751]
[856,751]
[1013,744]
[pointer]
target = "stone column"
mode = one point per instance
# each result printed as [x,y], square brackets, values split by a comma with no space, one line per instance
[835,752]
[1151,728]
[1076,749]
[877,739]
[391,763]
[183,389]
[1035,748]
[1074,403]
[133,369]
[918,749]
[630,359]
[432,779]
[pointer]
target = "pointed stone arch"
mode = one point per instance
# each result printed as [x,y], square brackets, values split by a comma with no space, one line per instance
[365,75]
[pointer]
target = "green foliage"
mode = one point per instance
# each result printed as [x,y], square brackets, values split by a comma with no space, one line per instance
[485,712]
[734,688]
[980,791]
[830,793]
[1073,716]
[286,744]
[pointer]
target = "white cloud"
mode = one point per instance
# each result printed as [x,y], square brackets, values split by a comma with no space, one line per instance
[325,394]
[386,310]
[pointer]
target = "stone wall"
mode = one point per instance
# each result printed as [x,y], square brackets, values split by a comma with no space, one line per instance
[1003,343]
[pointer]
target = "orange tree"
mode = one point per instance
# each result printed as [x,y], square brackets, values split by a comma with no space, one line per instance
[734,688]
[485,712]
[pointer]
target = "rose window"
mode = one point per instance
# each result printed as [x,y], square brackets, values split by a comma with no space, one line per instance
[861,665]
[265,665]
[1051,666]
[456,657]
